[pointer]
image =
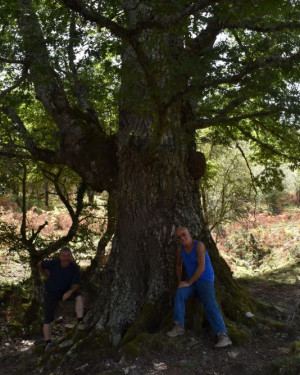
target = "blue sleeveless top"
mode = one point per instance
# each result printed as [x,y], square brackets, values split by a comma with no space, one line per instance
[191,263]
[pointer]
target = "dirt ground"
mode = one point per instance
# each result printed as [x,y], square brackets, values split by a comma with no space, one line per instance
[191,354]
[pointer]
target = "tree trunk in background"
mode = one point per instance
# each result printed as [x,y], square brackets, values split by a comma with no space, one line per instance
[47,193]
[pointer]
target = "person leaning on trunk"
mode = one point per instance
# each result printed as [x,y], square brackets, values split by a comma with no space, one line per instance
[62,284]
[200,280]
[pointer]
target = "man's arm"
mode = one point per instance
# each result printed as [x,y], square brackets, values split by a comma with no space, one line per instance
[43,271]
[200,250]
[72,290]
[75,284]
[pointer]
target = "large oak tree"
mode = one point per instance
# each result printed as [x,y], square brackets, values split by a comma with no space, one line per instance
[118,91]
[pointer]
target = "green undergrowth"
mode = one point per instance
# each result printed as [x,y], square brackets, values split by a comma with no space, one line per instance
[146,344]
[286,365]
[14,299]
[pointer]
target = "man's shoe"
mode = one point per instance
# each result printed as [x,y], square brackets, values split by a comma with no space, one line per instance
[176,331]
[222,340]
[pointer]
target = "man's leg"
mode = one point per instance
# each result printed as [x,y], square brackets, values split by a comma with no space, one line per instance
[182,294]
[50,303]
[47,331]
[79,307]
[206,291]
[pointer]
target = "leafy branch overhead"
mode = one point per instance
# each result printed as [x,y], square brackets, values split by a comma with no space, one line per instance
[234,64]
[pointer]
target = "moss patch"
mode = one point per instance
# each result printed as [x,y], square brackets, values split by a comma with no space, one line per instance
[295,347]
[238,335]
[274,324]
[194,315]
[151,319]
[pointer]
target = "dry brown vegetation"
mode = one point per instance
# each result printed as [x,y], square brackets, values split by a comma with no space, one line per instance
[264,255]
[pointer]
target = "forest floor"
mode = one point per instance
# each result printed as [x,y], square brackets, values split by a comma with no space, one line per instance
[272,277]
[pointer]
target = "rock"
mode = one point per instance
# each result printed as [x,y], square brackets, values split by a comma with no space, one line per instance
[233,354]
[160,366]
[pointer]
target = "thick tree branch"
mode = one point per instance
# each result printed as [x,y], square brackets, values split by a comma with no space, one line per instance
[224,120]
[207,37]
[14,86]
[37,153]
[96,17]
[77,127]
[174,20]
[150,23]
[80,90]
[272,61]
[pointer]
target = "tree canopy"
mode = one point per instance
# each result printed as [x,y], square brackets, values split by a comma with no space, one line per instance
[236,63]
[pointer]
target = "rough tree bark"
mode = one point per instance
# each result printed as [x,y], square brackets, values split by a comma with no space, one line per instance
[156,193]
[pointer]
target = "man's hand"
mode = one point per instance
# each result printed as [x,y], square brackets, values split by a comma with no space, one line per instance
[66,295]
[183,284]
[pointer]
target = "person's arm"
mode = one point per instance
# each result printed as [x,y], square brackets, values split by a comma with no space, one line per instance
[179,266]
[75,285]
[43,271]
[200,250]
[72,290]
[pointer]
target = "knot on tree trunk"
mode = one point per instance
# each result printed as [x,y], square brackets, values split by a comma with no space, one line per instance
[196,164]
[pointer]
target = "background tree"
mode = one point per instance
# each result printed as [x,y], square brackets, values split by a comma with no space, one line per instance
[185,66]
[228,188]
[30,243]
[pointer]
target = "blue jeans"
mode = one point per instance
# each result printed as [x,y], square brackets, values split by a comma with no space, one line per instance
[206,292]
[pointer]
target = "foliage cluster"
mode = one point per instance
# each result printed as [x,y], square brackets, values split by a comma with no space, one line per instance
[84,244]
[233,186]
[262,244]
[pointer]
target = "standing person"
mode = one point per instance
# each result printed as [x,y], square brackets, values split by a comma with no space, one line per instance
[62,284]
[201,280]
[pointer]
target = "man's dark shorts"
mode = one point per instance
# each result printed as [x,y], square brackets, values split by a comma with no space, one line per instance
[51,300]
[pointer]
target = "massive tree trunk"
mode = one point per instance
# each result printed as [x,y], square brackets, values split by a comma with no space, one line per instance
[156,192]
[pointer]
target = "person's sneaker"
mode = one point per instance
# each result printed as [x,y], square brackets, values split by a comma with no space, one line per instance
[48,346]
[222,340]
[81,326]
[176,331]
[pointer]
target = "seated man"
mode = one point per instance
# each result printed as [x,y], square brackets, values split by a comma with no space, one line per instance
[201,280]
[62,283]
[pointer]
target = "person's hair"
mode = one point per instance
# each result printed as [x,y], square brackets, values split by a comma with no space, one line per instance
[65,250]
[183,227]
